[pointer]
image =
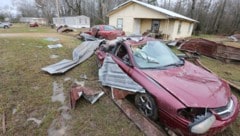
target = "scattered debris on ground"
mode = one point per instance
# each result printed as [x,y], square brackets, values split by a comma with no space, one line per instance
[80,54]
[14,111]
[54,56]
[235,37]
[119,93]
[83,76]
[81,83]
[37,121]
[64,29]
[67,79]
[86,37]
[59,125]
[51,39]
[89,94]
[175,42]
[58,94]
[211,49]
[54,46]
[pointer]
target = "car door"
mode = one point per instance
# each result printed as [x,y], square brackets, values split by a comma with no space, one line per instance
[122,58]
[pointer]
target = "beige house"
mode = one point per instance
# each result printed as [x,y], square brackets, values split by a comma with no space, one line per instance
[135,17]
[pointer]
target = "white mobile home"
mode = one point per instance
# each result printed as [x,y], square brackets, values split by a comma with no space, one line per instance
[41,21]
[75,22]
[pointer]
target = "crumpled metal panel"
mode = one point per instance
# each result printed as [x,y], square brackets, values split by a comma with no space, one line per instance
[90,95]
[80,54]
[110,74]
[200,46]
[87,37]
[211,49]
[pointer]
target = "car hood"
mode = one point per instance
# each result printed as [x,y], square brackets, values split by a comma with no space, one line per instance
[192,85]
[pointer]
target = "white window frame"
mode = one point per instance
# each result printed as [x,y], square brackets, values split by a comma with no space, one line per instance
[190,28]
[120,23]
[179,27]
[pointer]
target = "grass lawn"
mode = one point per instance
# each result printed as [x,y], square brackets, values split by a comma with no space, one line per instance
[26,91]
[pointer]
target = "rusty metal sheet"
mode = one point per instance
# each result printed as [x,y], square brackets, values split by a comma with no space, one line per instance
[90,95]
[200,46]
[148,127]
[119,94]
[211,49]
[236,36]
[64,29]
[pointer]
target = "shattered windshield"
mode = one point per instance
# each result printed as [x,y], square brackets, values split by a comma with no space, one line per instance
[154,54]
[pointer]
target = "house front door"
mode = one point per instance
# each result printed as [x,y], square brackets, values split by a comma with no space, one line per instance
[155,26]
[137,26]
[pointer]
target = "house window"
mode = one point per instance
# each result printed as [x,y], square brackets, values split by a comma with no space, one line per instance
[155,26]
[179,27]
[120,23]
[189,28]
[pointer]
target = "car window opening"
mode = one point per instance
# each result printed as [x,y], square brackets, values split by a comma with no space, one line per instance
[123,54]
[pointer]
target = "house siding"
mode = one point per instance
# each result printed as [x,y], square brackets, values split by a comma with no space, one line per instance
[128,13]
[133,11]
[184,29]
[146,25]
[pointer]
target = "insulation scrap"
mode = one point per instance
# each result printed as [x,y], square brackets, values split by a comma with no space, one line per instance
[55,46]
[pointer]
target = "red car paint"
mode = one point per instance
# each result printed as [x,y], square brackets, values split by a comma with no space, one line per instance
[176,88]
[105,32]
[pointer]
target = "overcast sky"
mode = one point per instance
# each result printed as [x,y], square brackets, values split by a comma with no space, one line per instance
[5,2]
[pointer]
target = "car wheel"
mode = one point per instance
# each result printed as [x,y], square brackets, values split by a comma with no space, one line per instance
[146,104]
[5,27]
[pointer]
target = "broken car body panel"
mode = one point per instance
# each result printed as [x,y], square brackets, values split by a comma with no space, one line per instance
[186,96]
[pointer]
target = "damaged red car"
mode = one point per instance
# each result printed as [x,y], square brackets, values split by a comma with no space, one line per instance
[105,32]
[186,98]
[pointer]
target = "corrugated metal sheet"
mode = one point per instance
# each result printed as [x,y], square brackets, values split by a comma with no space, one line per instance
[110,74]
[211,49]
[80,54]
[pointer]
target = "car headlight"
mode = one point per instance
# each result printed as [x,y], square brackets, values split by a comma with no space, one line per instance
[202,123]
[200,119]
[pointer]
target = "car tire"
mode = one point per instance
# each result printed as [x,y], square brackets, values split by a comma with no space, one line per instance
[5,27]
[147,105]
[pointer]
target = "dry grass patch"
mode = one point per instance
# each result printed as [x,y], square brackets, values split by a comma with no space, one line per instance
[26,91]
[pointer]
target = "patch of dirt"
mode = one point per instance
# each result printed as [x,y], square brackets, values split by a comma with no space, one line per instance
[29,35]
